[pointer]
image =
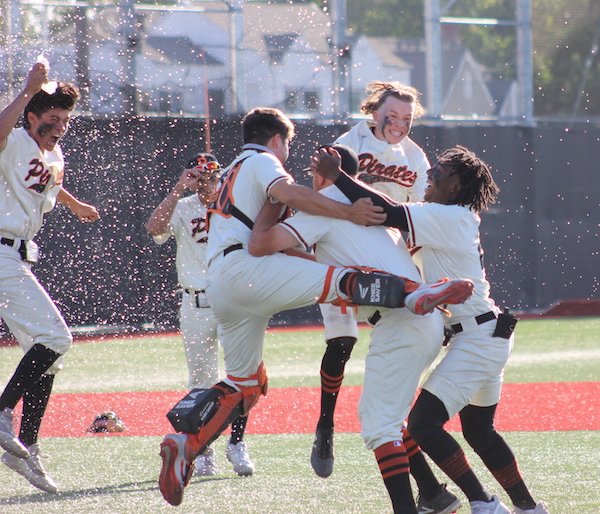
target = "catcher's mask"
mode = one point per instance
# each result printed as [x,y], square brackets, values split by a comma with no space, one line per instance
[107,422]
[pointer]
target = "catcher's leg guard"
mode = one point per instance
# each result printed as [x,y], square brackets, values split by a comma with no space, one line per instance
[227,408]
[376,288]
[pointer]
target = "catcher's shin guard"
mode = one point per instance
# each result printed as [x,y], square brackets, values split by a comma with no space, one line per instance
[376,288]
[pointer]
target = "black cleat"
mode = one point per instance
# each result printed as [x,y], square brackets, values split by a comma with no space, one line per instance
[321,457]
[444,502]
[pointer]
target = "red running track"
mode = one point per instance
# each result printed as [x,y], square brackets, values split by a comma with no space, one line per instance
[524,407]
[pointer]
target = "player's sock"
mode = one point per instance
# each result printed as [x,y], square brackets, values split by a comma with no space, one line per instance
[238,427]
[479,431]
[333,364]
[33,364]
[426,422]
[427,482]
[393,465]
[35,402]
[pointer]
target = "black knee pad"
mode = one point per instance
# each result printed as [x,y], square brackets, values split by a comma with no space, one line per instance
[427,417]
[340,348]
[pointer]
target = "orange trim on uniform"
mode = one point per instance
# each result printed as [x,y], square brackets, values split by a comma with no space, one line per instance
[411,446]
[327,284]
[296,234]
[331,384]
[411,227]
[456,465]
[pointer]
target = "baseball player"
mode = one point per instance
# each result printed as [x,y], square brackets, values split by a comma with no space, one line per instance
[245,291]
[402,344]
[31,171]
[445,232]
[185,220]
[395,165]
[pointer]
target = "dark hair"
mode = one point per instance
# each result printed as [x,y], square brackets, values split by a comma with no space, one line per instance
[65,97]
[478,189]
[379,92]
[261,124]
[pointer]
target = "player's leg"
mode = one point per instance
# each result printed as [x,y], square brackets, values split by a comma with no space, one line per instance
[43,341]
[198,327]
[402,346]
[447,391]
[341,333]
[433,497]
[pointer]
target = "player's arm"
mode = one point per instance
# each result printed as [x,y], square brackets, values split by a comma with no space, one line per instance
[268,236]
[158,223]
[308,200]
[85,212]
[327,164]
[38,76]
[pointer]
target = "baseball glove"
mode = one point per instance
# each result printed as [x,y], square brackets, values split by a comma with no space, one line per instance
[107,422]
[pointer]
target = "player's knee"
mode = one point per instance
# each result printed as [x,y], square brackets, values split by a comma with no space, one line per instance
[426,418]
[340,348]
[479,437]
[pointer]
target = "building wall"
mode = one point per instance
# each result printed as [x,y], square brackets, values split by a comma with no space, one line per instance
[541,239]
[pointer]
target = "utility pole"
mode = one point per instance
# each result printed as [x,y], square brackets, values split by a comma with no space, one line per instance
[341,61]
[128,40]
[236,34]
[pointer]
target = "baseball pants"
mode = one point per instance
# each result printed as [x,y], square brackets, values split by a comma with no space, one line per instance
[403,345]
[245,291]
[28,310]
[201,343]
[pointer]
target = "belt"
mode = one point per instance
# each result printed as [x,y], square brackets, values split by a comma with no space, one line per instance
[482,318]
[11,242]
[233,248]
[193,291]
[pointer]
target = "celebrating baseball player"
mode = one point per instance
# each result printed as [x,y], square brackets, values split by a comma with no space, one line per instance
[403,344]
[245,291]
[444,231]
[185,220]
[32,169]
[395,165]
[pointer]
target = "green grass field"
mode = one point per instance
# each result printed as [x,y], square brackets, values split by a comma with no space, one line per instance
[119,474]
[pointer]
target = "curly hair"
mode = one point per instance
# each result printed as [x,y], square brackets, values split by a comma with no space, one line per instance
[478,189]
[65,97]
[379,92]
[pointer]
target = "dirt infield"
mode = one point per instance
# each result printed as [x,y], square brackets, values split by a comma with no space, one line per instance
[524,407]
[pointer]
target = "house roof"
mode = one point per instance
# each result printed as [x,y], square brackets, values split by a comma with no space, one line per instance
[180,50]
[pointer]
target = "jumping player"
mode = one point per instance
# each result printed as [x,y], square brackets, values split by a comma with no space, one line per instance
[31,170]
[185,220]
[245,291]
[445,232]
[392,163]
[402,344]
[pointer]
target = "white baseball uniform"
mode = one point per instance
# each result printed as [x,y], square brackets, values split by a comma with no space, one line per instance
[198,323]
[245,291]
[399,171]
[472,368]
[402,344]
[30,180]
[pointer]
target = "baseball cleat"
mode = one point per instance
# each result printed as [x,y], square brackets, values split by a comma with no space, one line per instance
[540,508]
[8,439]
[32,469]
[428,296]
[206,464]
[176,470]
[321,457]
[444,502]
[493,507]
[238,455]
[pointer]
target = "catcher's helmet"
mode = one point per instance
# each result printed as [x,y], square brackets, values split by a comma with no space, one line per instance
[205,162]
[107,422]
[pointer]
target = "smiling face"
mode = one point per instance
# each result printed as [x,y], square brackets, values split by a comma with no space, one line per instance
[443,185]
[393,120]
[49,128]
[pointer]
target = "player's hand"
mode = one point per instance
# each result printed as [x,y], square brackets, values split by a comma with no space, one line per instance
[38,76]
[86,213]
[326,163]
[364,212]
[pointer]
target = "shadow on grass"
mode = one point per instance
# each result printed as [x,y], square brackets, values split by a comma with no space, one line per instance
[132,487]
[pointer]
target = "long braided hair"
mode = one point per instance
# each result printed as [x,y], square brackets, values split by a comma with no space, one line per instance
[478,189]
